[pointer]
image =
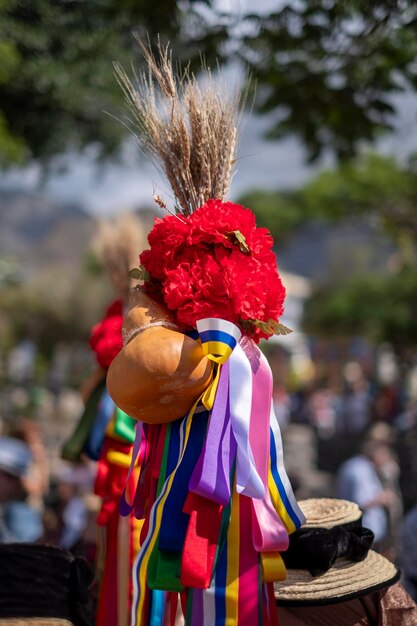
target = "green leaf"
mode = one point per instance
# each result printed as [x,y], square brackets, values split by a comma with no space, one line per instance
[271,327]
[139,273]
[281,329]
[238,238]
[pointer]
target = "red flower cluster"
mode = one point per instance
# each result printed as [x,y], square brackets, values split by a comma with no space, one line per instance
[204,268]
[106,337]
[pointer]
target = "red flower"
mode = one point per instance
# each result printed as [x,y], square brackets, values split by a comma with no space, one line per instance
[204,270]
[167,239]
[211,223]
[106,337]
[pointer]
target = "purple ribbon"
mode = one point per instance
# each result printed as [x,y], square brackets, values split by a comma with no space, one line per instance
[211,475]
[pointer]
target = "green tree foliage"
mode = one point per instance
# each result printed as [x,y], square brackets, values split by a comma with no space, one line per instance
[372,186]
[325,69]
[58,78]
[382,308]
[279,212]
[328,68]
[50,309]
[11,146]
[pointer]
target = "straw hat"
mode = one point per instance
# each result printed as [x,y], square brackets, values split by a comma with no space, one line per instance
[333,532]
[35,621]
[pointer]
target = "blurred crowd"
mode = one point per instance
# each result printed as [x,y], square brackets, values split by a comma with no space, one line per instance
[39,506]
[356,438]
[345,435]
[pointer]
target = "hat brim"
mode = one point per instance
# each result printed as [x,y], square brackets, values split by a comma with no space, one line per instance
[34,621]
[344,581]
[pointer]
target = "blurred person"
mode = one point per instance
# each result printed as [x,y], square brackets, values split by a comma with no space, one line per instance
[322,409]
[389,473]
[407,420]
[356,413]
[387,403]
[299,405]
[359,480]
[408,552]
[37,480]
[21,362]
[19,520]
[282,406]
[333,576]
[406,428]
[66,519]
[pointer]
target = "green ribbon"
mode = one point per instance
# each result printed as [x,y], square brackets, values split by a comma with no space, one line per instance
[125,426]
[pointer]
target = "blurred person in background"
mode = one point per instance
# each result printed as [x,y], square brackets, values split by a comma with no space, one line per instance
[407,420]
[357,407]
[368,480]
[282,406]
[37,480]
[408,551]
[389,473]
[66,516]
[387,404]
[19,520]
[323,406]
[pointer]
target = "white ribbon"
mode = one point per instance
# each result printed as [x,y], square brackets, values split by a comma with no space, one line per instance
[248,481]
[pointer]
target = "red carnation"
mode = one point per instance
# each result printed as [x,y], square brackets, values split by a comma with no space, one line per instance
[167,239]
[212,222]
[216,263]
[106,337]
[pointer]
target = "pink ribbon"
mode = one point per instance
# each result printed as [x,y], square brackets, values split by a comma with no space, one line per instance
[269,533]
[137,453]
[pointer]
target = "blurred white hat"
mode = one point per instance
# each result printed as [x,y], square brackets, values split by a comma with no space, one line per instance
[15,456]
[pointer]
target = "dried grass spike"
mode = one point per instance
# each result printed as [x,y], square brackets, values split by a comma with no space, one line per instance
[188,128]
[117,244]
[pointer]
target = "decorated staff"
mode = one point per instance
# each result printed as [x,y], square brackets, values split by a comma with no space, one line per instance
[106,434]
[216,501]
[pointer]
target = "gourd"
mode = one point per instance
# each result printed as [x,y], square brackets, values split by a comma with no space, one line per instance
[160,373]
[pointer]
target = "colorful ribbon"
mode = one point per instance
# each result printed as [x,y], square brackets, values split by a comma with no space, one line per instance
[219,534]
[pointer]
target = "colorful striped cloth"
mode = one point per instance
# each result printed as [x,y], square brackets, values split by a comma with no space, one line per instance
[223,507]
[119,537]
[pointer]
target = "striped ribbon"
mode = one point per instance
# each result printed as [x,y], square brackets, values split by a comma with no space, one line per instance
[218,338]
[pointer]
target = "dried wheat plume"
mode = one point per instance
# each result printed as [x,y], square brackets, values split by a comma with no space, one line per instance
[186,126]
[116,245]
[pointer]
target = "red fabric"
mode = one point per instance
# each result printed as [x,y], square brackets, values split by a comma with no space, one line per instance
[109,484]
[110,480]
[106,337]
[272,610]
[201,541]
[107,600]
[156,436]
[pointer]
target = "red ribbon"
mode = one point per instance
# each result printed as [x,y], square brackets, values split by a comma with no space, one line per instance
[201,541]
